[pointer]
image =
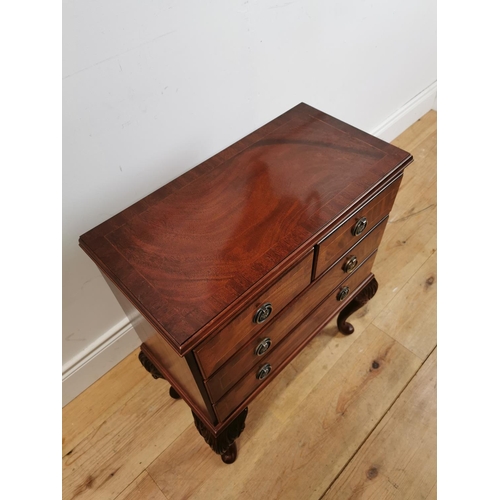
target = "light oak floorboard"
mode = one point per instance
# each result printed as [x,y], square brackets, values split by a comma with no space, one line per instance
[185,465]
[125,438]
[398,460]
[413,135]
[432,494]
[142,488]
[410,237]
[108,460]
[93,406]
[302,456]
[411,317]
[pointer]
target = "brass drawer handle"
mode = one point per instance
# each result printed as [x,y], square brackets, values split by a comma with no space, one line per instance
[264,371]
[263,312]
[351,263]
[263,346]
[360,226]
[344,292]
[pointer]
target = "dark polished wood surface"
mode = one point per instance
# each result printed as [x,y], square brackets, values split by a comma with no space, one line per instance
[333,245]
[237,264]
[249,386]
[246,358]
[216,236]
[215,350]
[361,298]
[218,348]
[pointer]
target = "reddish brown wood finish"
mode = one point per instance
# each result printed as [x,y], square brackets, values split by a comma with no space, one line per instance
[177,379]
[218,235]
[182,372]
[361,251]
[362,297]
[218,348]
[246,357]
[268,220]
[331,248]
[155,373]
[243,391]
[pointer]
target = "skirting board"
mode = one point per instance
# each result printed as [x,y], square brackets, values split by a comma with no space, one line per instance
[114,345]
[408,114]
[99,357]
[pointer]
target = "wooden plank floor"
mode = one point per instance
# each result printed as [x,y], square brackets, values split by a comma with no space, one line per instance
[333,425]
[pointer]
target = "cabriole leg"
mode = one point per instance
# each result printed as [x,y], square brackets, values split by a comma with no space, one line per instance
[363,296]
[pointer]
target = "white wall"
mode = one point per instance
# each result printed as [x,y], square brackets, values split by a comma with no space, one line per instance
[153,87]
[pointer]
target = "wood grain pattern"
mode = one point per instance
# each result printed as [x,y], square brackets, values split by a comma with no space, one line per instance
[183,256]
[101,400]
[274,449]
[181,374]
[332,247]
[414,328]
[300,457]
[410,235]
[103,464]
[219,347]
[399,458]
[361,251]
[241,362]
[142,488]
[242,393]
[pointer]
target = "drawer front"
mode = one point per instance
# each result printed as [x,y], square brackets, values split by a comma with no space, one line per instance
[261,345]
[222,345]
[352,259]
[334,245]
[289,346]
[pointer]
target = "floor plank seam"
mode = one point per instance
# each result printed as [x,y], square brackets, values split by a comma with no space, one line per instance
[156,484]
[398,292]
[375,426]
[207,479]
[132,394]
[163,451]
[128,485]
[432,205]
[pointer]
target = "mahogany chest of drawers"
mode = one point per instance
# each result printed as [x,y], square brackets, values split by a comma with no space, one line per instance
[228,271]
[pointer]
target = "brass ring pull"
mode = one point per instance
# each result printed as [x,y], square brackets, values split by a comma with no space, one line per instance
[351,263]
[263,346]
[360,226]
[264,371]
[263,312]
[344,292]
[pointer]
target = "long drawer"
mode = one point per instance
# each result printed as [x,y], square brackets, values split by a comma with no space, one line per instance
[260,345]
[355,227]
[220,347]
[264,372]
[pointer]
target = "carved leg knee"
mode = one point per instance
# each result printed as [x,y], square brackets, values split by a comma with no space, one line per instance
[150,367]
[223,444]
[363,296]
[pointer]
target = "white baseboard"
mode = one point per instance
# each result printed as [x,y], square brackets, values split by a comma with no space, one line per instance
[99,357]
[118,342]
[408,114]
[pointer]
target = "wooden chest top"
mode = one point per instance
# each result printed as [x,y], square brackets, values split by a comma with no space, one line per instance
[193,251]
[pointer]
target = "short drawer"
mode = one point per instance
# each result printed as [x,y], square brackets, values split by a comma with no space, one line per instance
[355,227]
[352,259]
[273,363]
[260,345]
[223,344]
